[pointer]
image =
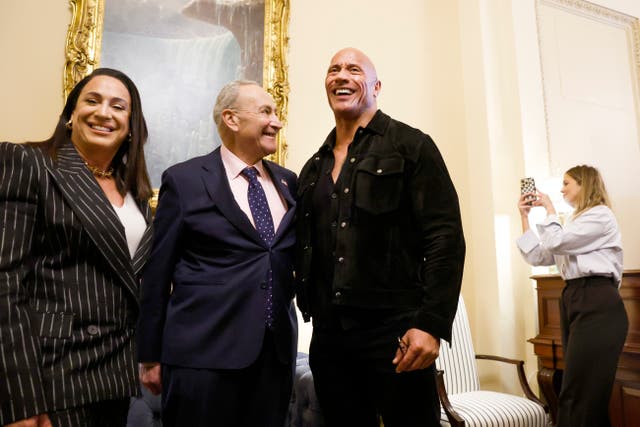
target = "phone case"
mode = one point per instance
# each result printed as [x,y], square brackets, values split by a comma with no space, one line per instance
[528,185]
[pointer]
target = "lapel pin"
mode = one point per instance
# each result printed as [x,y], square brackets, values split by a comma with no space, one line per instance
[284,182]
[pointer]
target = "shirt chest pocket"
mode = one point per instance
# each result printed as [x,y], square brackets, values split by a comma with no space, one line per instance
[378,185]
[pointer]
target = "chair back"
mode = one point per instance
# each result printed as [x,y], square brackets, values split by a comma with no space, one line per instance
[459,361]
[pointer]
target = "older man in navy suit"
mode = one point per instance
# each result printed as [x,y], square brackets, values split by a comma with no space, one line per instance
[217,331]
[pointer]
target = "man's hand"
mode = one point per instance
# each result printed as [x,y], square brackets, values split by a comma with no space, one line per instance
[41,420]
[150,377]
[416,350]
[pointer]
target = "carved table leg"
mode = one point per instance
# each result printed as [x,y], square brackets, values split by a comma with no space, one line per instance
[549,381]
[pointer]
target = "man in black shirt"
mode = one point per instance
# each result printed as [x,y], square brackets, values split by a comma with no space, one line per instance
[380,258]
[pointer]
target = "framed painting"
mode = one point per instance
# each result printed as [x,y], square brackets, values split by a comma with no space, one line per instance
[180,53]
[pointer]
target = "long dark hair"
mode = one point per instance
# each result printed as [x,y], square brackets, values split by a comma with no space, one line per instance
[130,168]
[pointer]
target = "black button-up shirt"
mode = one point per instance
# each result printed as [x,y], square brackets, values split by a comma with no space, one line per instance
[332,203]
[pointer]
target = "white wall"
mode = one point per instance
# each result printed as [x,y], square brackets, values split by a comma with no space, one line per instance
[502,299]
[32,37]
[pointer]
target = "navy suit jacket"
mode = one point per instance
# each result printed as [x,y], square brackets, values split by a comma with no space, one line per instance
[204,288]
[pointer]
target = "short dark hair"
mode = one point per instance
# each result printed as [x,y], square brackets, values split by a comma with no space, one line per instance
[130,168]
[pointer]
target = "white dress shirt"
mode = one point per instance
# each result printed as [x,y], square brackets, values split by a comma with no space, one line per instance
[233,167]
[589,245]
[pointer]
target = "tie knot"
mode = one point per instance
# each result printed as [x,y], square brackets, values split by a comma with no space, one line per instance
[250,172]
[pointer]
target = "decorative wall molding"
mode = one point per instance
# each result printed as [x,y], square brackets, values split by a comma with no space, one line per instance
[592,11]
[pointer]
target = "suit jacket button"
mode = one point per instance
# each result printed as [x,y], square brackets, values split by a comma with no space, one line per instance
[93,330]
[263,285]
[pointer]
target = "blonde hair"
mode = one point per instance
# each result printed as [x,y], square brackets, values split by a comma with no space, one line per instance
[592,190]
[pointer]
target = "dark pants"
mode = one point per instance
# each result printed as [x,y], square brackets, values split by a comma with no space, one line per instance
[109,413]
[254,396]
[594,327]
[356,383]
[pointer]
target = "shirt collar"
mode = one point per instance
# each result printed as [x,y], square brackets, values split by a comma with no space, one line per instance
[233,165]
[377,125]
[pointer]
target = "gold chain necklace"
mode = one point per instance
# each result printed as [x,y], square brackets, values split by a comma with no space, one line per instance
[100,173]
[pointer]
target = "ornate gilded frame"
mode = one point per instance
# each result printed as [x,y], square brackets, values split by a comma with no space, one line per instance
[84,39]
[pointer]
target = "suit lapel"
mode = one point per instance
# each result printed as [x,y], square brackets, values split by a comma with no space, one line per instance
[144,247]
[217,185]
[283,189]
[87,200]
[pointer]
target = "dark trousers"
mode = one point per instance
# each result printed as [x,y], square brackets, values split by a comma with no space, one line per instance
[594,327]
[356,383]
[109,413]
[254,396]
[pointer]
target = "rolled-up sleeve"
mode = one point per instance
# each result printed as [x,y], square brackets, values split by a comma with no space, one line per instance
[532,251]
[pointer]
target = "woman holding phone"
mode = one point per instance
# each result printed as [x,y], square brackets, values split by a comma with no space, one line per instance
[587,250]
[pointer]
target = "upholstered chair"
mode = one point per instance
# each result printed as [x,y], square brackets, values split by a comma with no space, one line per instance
[464,403]
[304,410]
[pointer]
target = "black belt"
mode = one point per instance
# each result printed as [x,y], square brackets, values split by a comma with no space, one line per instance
[591,280]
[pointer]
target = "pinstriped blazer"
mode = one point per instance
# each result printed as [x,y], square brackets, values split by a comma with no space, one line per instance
[68,286]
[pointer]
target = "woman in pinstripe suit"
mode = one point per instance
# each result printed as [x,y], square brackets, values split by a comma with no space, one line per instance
[75,234]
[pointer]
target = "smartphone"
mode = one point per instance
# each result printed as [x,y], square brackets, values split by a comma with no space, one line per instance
[528,185]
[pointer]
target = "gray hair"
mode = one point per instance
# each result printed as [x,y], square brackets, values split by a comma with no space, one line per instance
[227,97]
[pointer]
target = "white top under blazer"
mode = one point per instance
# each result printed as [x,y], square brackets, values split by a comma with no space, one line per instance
[133,222]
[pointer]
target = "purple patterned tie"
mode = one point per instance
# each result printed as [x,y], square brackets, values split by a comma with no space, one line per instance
[264,225]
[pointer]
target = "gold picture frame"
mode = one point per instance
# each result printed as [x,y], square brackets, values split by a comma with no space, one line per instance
[84,40]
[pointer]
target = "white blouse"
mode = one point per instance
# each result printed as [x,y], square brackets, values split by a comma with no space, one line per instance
[589,245]
[133,222]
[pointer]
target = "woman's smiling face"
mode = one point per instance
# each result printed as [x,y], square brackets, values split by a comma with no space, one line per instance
[100,119]
[570,190]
